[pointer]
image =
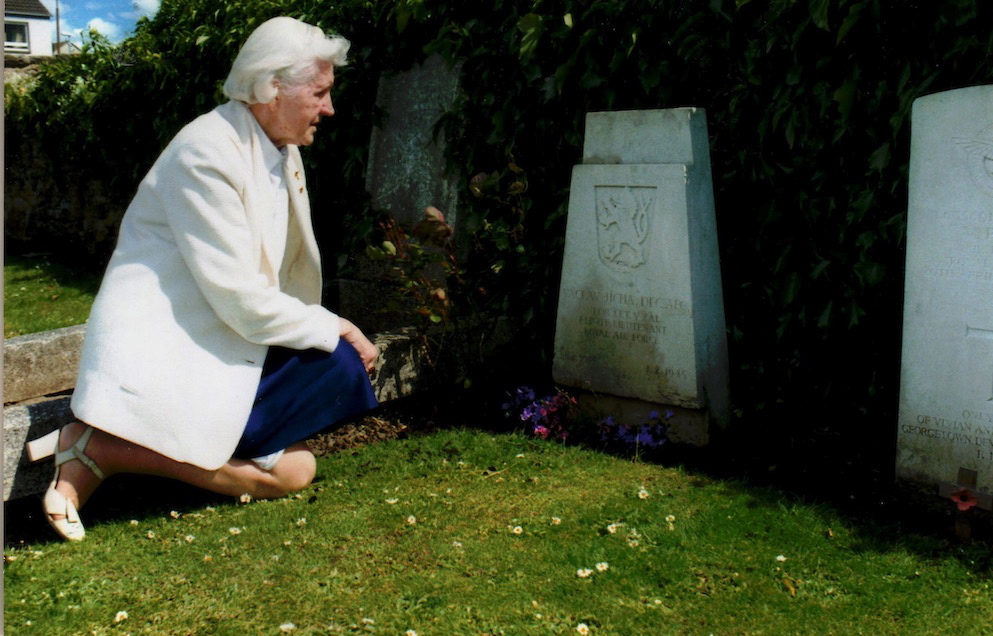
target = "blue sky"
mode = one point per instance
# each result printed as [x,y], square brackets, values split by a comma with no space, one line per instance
[113,18]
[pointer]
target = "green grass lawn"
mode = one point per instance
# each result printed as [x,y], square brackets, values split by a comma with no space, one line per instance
[41,294]
[463,532]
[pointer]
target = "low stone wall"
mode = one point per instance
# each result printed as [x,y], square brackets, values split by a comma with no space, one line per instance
[41,364]
[40,370]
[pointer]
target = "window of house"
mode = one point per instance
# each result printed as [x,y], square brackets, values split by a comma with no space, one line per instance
[15,37]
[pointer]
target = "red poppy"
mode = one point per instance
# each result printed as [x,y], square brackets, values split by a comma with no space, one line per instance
[964,499]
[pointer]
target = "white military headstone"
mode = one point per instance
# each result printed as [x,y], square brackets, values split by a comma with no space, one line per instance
[945,434]
[641,312]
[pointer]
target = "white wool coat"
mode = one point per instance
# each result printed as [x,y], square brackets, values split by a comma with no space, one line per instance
[190,302]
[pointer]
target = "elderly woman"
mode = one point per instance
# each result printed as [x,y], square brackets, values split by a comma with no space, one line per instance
[208,356]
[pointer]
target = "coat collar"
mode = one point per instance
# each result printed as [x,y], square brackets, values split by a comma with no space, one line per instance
[301,226]
[265,159]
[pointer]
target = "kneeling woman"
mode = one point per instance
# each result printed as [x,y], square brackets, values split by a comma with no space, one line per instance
[208,357]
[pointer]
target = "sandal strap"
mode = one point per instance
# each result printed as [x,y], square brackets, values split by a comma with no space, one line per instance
[76,451]
[70,527]
[56,504]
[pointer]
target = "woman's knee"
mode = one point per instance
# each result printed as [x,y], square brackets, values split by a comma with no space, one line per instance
[295,470]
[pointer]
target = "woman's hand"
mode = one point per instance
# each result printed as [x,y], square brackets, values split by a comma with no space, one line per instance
[354,336]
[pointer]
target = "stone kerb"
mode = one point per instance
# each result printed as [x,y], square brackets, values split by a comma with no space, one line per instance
[40,364]
[640,322]
[402,370]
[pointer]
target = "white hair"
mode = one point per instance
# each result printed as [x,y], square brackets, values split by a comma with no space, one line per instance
[282,53]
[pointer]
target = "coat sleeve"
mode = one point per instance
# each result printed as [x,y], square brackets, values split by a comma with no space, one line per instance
[203,190]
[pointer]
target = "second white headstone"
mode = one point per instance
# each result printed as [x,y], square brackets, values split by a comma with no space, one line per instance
[641,311]
[945,434]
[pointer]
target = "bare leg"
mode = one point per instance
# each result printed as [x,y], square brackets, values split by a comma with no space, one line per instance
[113,455]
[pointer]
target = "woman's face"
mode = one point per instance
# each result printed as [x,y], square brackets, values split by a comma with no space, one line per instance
[294,115]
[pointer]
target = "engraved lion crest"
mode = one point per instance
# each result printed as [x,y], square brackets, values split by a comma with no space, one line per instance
[623,223]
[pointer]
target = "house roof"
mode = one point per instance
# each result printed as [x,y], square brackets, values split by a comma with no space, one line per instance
[32,8]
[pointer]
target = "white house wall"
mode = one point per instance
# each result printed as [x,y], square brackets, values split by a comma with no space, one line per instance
[40,36]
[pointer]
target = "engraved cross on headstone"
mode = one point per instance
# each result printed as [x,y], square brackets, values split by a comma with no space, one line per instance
[984,334]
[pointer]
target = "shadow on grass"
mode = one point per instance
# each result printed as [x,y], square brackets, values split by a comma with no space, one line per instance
[42,293]
[121,497]
[827,477]
[822,468]
[126,497]
[45,269]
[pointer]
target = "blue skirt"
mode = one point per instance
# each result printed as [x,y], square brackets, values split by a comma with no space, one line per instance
[302,393]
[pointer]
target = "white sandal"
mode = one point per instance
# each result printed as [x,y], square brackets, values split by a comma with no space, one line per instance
[54,502]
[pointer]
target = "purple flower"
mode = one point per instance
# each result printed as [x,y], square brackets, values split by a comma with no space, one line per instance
[547,417]
[646,438]
[520,398]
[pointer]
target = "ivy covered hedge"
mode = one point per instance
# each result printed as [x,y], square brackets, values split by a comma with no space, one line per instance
[808,105]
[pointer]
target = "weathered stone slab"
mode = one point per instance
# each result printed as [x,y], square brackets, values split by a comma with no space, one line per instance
[21,424]
[406,164]
[41,363]
[641,311]
[669,136]
[945,434]
[403,368]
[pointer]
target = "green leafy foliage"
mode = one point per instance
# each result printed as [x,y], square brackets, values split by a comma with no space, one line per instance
[105,115]
[808,106]
[422,264]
